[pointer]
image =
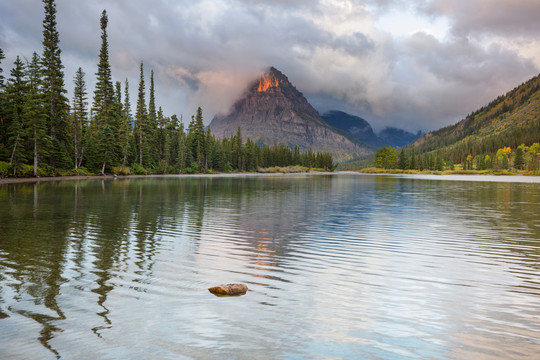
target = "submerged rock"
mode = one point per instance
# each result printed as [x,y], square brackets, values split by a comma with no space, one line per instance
[229,290]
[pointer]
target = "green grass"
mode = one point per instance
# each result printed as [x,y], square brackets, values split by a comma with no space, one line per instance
[283,169]
[445,172]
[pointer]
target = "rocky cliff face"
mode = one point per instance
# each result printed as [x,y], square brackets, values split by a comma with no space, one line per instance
[273,111]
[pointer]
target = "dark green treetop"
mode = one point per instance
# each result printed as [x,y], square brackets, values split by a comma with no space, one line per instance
[104,92]
[55,102]
[2,57]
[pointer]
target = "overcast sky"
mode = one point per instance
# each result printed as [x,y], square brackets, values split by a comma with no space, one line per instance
[416,65]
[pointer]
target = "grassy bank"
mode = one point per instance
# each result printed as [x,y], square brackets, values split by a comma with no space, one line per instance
[372,170]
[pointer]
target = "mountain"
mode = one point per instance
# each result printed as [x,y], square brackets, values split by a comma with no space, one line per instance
[509,120]
[358,127]
[397,137]
[273,111]
[362,131]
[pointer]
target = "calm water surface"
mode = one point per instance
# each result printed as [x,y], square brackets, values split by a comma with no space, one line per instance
[338,266]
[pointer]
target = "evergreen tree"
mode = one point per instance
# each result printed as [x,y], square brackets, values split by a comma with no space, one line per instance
[90,142]
[104,93]
[402,161]
[200,139]
[125,126]
[207,150]
[13,125]
[238,149]
[79,115]
[15,143]
[161,135]
[2,57]
[195,141]
[141,119]
[118,101]
[519,160]
[34,114]
[182,149]
[152,100]
[152,124]
[56,103]
[106,147]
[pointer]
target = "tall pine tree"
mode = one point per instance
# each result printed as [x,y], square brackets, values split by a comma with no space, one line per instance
[79,115]
[141,119]
[2,100]
[34,114]
[124,133]
[2,57]
[152,124]
[56,103]
[11,145]
[107,107]
[104,92]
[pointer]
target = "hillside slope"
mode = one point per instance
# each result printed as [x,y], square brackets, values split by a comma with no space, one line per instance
[509,120]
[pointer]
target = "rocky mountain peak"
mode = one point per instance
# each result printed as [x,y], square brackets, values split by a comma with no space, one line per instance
[272,79]
[273,111]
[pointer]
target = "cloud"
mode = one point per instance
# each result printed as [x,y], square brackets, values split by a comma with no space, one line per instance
[443,76]
[205,53]
[499,17]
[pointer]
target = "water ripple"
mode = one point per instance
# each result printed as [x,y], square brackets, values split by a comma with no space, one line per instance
[340,266]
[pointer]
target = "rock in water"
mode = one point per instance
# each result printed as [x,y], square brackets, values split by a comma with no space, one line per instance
[229,290]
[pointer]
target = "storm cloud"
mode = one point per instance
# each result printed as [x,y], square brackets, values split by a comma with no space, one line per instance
[348,55]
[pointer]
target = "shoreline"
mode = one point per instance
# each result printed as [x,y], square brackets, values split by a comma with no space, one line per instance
[517,178]
[23,180]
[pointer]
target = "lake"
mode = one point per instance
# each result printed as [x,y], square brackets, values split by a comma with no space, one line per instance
[338,266]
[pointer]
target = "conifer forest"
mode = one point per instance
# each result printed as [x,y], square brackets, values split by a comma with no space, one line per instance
[44,133]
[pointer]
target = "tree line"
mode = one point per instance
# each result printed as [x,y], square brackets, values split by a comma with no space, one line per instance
[42,134]
[520,158]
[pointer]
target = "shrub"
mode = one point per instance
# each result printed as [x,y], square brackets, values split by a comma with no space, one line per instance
[4,168]
[171,170]
[227,168]
[193,168]
[138,169]
[284,170]
[24,170]
[121,170]
[161,167]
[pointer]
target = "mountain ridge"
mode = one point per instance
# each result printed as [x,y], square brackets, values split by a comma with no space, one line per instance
[355,125]
[273,111]
[397,137]
[361,129]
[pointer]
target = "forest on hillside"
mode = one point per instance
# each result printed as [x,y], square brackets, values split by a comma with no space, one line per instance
[501,136]
[43,134]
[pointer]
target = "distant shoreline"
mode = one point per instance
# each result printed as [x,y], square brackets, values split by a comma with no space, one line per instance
[516,178]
